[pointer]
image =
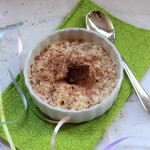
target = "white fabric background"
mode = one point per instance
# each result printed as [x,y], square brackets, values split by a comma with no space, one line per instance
[42,17]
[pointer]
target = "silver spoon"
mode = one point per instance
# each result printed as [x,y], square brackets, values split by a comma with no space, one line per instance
[99,22]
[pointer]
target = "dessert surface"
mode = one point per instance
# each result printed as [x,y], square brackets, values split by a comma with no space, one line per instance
[73,74]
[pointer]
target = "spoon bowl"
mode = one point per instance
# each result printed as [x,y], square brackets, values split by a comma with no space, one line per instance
[99,22]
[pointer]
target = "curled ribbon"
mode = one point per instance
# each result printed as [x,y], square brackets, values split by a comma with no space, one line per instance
[64,120]
[4,147]
[4,123]
[110,146]
[2,116]
[59,124]
[48,120]
[113,144]
[21,95]
[20,49]
[13,26]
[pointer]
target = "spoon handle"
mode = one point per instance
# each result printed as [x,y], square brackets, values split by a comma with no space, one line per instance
[142,95]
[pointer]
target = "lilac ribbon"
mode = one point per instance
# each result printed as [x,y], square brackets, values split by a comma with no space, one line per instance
[110,146]
[4,147]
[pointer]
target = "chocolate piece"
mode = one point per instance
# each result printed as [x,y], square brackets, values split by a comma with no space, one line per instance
[77,73]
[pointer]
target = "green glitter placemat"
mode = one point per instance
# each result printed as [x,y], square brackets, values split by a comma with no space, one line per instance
[34,134]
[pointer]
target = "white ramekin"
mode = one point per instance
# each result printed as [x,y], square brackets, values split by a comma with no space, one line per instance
[85,114]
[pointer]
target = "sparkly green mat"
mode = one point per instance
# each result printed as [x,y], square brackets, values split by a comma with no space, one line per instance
[34,134]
